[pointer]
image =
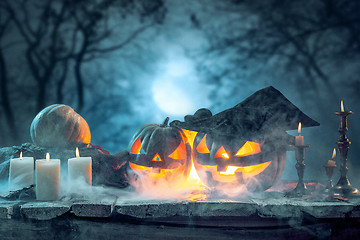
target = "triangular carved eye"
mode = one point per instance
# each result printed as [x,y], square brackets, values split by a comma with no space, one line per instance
[179,153]
[157,158]
[221,153]
[249,148]
[202,148]
[136,147]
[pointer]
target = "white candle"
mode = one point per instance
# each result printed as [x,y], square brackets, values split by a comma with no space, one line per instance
[299,140]
[21,172]
[80,168]
[47,179]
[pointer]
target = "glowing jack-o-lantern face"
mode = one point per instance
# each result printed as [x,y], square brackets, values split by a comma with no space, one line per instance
[226,163]
[159,153]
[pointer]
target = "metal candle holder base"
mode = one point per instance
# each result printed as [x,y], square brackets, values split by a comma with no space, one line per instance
[300,188]
[344,188]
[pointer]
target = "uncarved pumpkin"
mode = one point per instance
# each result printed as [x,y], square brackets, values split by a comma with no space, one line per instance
[59,125]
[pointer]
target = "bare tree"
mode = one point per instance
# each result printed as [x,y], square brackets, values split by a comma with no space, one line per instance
[304,38]
[5,22]
[68,32]
[55,40]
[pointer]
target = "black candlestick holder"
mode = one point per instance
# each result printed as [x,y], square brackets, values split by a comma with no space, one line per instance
[344,188]
[300,188]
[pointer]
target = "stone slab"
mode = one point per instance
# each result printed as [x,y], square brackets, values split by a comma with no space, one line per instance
[44,210]
[161,209]
[99,206]
[9,209]
[265,208]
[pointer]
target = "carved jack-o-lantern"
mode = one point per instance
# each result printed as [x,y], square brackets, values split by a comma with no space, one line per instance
[159,153]
[229,162]
[244,146]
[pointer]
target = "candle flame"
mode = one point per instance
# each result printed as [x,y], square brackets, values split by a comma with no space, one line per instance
[334,154]
[299,128]
[77,152]
[342,106]
[20,155]
[47,156]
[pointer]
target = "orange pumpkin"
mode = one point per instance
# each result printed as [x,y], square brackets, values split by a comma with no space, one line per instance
[59,125]
[159,153]
[226,163]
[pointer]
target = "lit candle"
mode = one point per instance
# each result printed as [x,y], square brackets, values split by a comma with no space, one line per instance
[331,162]
[342,106]
[80,168]
[299,140]
[47,179]
[21,172]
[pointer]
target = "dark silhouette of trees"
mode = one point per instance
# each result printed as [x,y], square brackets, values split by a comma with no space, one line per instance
[306,39]
[56,39]
[5,101]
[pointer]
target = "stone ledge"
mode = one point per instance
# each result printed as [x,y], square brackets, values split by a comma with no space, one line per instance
[101,206]
[44,210]
[9,209]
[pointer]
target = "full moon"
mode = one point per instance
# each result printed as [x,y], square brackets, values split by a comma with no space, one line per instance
[172,98]
[177,91]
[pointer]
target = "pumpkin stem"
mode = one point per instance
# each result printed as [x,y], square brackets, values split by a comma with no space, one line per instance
[165,123]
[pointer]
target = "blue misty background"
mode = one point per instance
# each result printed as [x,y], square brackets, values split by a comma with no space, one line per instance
[122,64]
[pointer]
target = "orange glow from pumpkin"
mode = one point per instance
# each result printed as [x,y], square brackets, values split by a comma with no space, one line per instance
[136,147]
[230,170]
[342,106]
[202,148]
[179,153]
[157,158]
[190,135]
[249,148]
[168,183]
[229,176]
[185,184]
[221,153]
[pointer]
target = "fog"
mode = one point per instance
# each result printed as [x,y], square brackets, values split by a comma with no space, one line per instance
[189,55]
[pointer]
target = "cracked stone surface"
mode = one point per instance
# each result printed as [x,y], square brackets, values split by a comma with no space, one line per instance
[101,206]
[44,210]
[9,209]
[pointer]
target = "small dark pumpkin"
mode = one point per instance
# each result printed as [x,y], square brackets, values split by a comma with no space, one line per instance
[59,125]
[159,153]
